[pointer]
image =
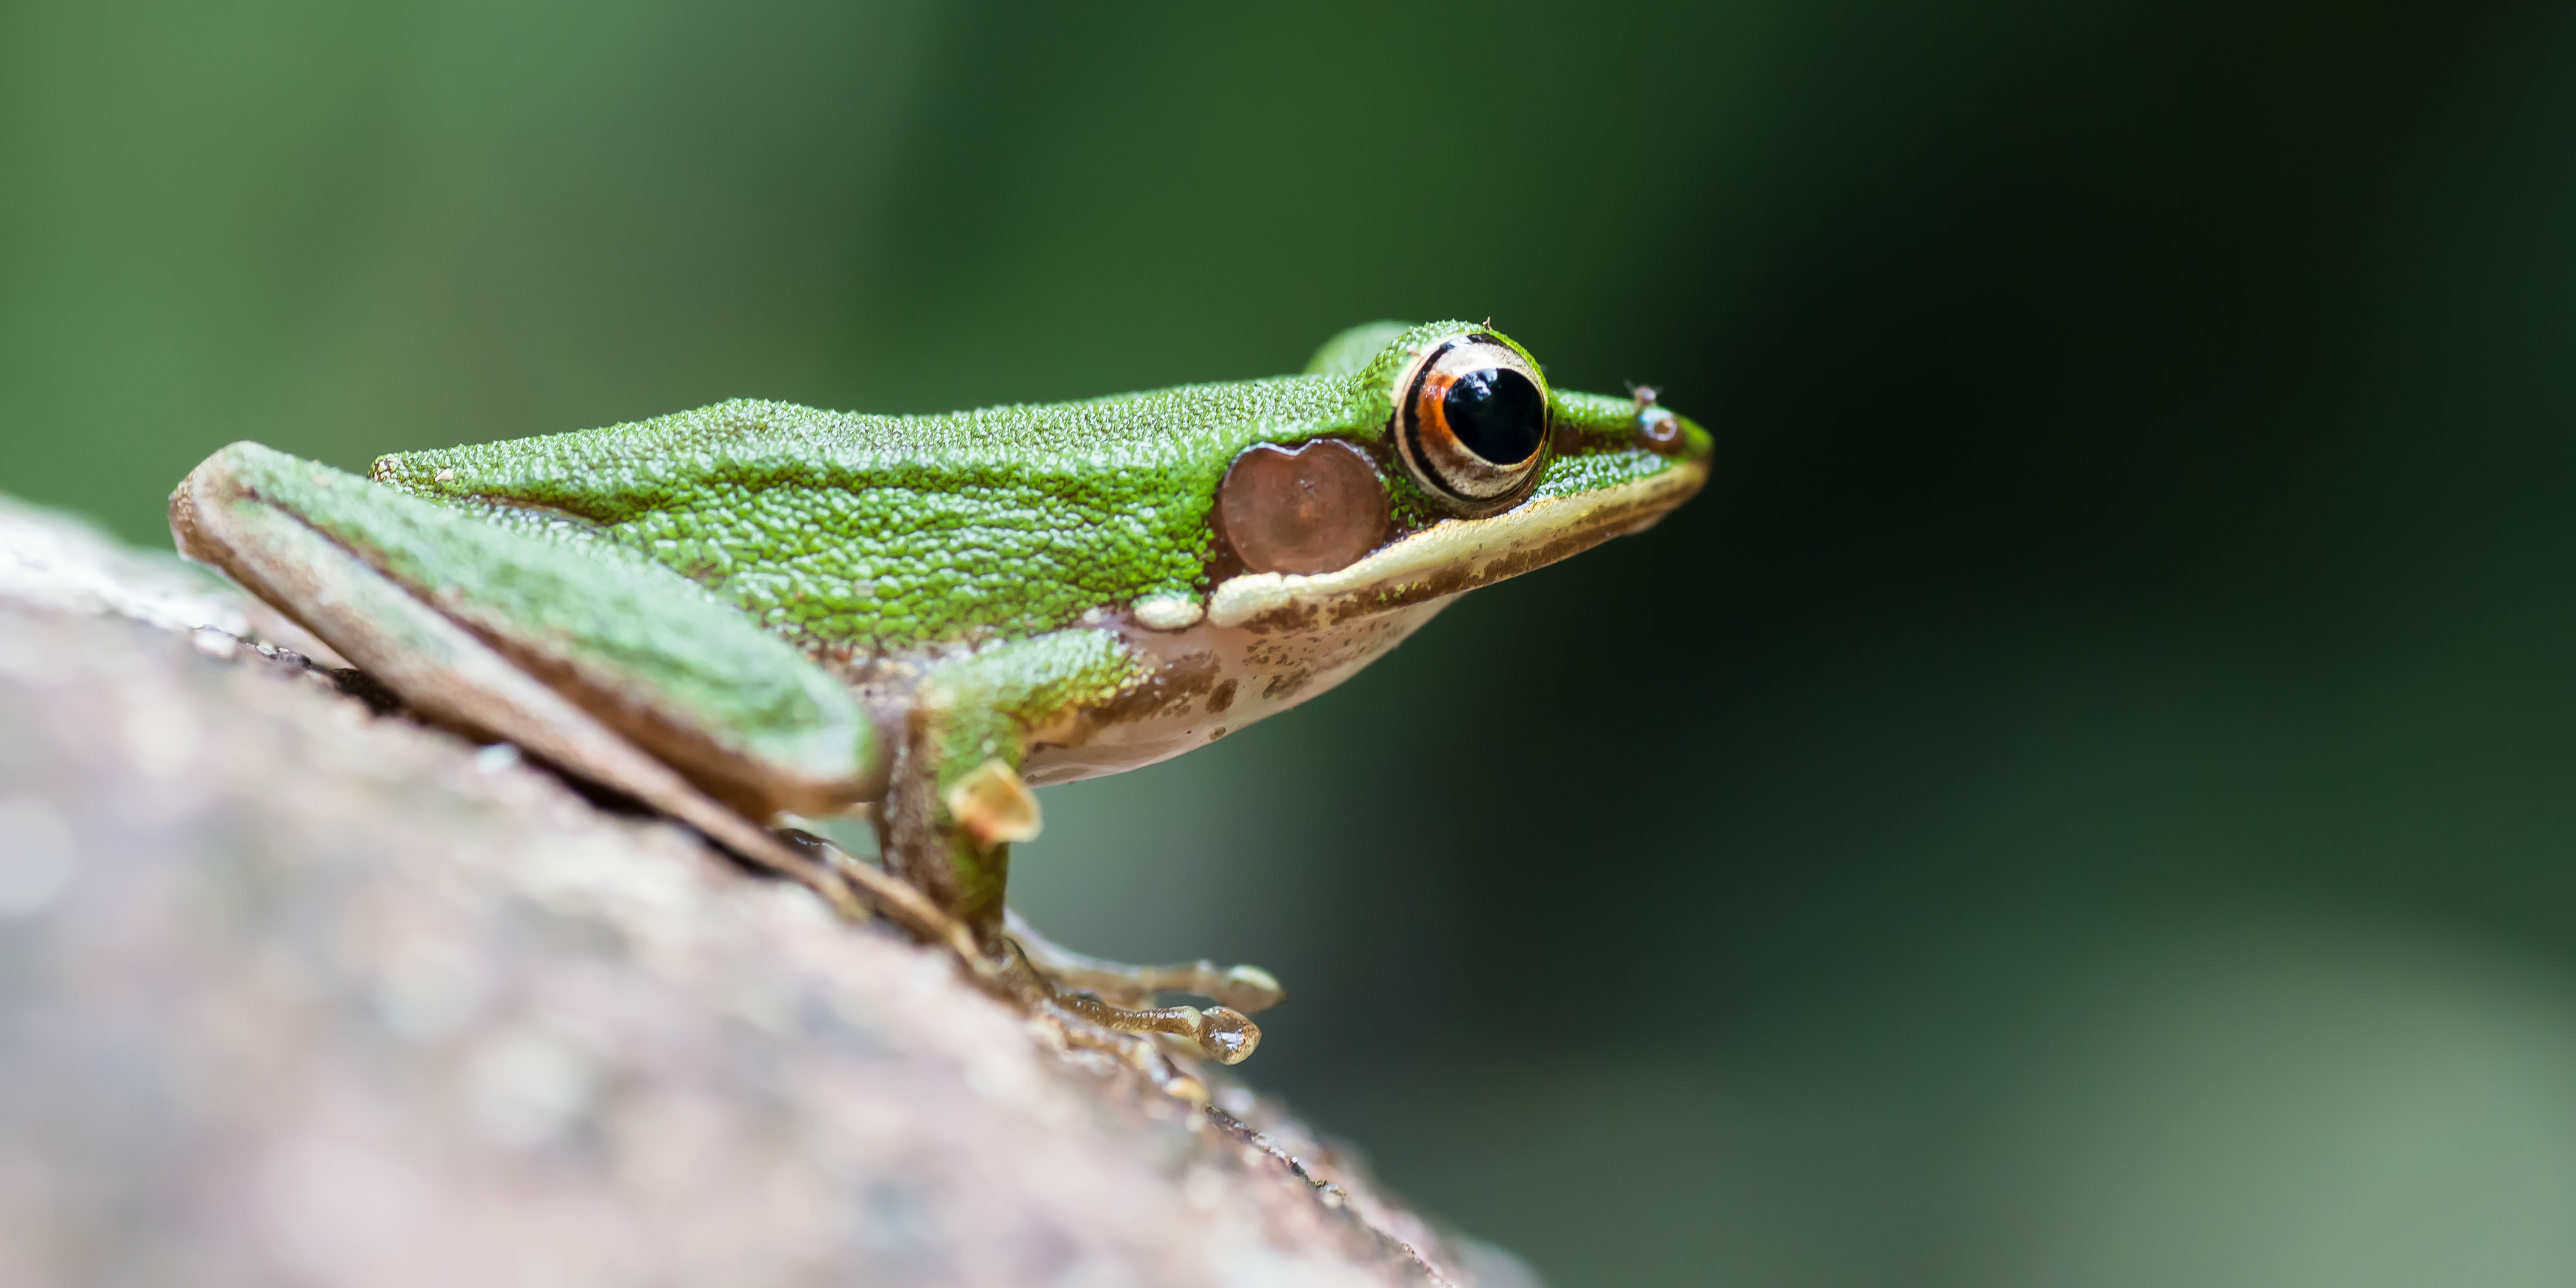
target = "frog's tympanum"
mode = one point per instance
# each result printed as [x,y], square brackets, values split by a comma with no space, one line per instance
[757,612]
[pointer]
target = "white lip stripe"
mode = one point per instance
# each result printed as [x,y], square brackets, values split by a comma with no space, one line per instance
[1450,544]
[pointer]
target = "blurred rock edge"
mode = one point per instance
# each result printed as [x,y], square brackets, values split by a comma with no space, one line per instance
[291,992]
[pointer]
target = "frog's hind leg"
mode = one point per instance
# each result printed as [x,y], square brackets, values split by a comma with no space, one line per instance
[227,514]
[500,633]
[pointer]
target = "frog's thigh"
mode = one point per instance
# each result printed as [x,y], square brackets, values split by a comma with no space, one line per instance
[436,665]
[449,675]
[739,713]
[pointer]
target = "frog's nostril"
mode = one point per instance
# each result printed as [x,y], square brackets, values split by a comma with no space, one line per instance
[1660,432]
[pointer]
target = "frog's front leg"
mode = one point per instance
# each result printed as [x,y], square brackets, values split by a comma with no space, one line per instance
[955,804]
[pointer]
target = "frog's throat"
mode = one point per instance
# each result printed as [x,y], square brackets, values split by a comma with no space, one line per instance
[1454,555]
[1270,641]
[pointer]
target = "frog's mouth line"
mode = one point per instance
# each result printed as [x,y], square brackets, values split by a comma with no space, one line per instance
[1454,555]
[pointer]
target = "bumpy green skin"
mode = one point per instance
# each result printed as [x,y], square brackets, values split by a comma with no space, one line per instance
[857,535]
[854,536]
[621,622]
[1605,452]
[979,546]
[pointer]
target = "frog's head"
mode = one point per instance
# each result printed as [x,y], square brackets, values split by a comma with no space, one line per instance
[1460,467]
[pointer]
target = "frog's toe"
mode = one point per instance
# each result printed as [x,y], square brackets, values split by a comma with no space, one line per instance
[1227,1035]
[1221,1032]
[1243,989]
[1249,988]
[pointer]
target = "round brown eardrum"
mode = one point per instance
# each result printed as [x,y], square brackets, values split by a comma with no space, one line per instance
[1315,508]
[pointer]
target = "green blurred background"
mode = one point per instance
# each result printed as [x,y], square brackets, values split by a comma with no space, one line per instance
[2084,798]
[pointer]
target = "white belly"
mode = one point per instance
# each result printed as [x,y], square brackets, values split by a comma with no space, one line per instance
[1269,641]
[1215,680]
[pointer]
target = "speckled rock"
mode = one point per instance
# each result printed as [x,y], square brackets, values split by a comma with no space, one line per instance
[294,992]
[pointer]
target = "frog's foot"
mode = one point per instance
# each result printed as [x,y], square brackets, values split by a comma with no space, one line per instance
[1085,1020]
[1141,1052]
[1065,990]
[1220,1031]
[1242,989]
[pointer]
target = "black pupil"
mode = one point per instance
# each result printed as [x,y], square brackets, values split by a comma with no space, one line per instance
[1497,413]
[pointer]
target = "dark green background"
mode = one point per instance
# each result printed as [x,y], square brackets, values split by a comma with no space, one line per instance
[2084,798]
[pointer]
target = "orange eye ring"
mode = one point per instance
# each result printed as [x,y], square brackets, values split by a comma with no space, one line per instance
[1471,424]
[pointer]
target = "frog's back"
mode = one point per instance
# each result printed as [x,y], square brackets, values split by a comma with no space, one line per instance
[857,535]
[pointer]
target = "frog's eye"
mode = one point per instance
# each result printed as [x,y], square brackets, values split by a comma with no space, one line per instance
[1471,423]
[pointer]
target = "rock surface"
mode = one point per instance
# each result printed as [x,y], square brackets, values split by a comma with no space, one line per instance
[294,992]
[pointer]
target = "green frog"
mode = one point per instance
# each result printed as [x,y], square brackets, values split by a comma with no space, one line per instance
[756,614]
